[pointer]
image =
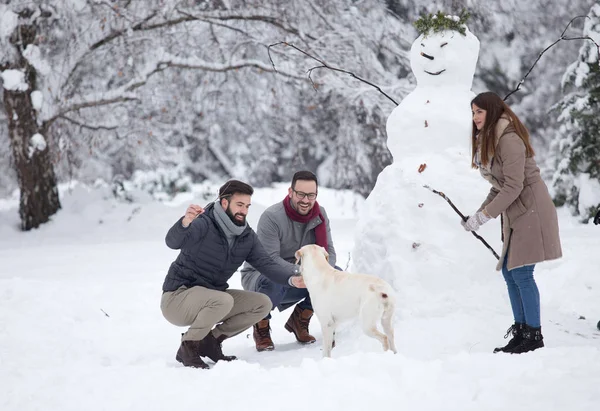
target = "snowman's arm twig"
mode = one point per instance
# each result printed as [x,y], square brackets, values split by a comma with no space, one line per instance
[464,218]
[562,37]
[323,64]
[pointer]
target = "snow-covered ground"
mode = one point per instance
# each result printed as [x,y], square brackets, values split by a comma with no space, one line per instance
[81,328]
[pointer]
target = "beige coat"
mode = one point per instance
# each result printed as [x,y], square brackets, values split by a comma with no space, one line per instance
[529,223]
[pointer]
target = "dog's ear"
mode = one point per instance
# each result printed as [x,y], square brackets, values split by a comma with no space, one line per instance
[298,255]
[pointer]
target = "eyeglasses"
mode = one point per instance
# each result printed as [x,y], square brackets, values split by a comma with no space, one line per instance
[301,195]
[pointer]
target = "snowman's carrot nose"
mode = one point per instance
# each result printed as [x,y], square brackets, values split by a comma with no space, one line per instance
[427,56]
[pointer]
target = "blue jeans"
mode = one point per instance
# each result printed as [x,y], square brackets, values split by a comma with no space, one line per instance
[284,296]
[523,294]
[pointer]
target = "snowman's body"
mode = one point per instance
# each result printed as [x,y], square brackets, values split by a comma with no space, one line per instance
[407,234]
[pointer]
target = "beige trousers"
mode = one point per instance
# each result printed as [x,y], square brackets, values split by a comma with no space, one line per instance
[201,308]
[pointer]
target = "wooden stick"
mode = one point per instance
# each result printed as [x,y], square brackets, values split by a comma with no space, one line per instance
[489,247]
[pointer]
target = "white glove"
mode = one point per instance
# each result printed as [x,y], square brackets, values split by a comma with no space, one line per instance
[474,222]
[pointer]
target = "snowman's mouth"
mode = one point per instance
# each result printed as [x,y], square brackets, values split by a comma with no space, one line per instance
[436,73]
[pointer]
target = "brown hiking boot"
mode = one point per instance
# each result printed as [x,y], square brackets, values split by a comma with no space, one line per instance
[189,354]
[298,324]
[262,336]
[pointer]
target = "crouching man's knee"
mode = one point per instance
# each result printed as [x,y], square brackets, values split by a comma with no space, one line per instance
[263,304]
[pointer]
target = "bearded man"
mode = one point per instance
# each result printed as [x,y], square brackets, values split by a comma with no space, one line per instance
[214,242]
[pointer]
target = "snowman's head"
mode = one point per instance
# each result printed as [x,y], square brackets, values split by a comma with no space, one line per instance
[445,58]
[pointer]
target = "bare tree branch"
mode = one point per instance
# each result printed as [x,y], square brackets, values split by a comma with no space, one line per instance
[86,104]
[318,13]
[211,21]
[195,64]
[225,16]
[562,37]
[116,10]
[86,126]
[323,64]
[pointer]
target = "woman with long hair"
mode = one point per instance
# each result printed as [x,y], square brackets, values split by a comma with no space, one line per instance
[502,152]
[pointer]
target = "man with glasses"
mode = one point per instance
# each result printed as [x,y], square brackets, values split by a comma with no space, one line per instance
[284,228]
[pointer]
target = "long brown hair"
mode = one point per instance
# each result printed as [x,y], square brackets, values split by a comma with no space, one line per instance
[495,107]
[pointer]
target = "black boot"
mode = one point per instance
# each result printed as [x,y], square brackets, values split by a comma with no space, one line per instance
[211,347]
[189,354]
[532,340]
[516,330]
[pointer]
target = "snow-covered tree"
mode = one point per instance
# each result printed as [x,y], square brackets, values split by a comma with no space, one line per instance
[188,85]
[576,178]
[127,85]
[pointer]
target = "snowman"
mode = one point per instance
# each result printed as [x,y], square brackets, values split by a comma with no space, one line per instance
[406,234]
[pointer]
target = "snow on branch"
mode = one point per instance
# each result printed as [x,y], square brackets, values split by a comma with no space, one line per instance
[126,93]
[225,16]
[562,37]
[199,64]
[211,18]
[325,65]
[142,25]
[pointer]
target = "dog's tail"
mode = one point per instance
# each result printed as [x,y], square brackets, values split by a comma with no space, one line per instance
[383,295]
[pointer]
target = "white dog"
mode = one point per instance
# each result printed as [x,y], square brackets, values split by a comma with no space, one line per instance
[337,296]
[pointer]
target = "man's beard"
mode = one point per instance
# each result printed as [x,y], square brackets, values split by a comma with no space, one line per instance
[234,220]
[296,206]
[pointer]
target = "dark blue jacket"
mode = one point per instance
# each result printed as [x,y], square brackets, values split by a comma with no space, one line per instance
[207,260]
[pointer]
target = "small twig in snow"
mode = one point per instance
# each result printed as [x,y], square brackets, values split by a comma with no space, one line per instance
[133,213]
[471,347]
[104,312]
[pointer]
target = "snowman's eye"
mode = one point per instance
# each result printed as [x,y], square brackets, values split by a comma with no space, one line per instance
[443,44]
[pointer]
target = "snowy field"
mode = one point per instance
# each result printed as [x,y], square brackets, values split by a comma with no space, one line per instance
[81,328]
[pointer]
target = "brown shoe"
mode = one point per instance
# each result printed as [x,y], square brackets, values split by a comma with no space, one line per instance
[262,336]
[189,354]
[211,347]
[298,324]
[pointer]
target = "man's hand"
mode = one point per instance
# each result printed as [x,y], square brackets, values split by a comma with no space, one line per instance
[298,281]
[191,213]
[474,222]
[597,218]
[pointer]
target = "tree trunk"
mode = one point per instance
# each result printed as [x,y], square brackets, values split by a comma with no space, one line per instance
[35,173]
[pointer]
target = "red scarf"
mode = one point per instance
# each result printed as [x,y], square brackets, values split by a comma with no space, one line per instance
[320,230]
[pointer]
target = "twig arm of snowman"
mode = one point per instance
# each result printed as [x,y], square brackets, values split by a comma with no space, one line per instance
[489,247]
[325,65]
[562,37]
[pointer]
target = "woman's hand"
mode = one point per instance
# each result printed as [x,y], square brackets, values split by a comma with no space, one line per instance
[474,222]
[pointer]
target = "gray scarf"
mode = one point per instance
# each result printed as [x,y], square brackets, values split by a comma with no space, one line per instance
[229,228]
